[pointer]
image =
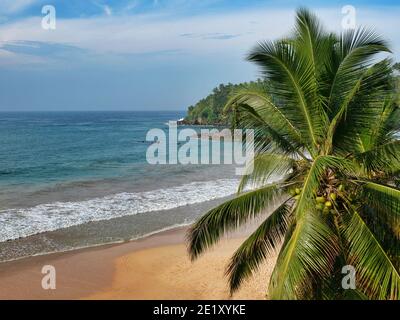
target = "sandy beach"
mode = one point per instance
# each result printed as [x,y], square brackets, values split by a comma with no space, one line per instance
[156,267]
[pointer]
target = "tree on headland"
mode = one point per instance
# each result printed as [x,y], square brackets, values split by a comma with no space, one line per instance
[327,124]
[209,111]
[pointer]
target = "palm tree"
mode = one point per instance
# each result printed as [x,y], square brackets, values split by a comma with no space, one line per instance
[326,122]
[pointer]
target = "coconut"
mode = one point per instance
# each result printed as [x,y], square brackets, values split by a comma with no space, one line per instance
[320,199]
[328,204]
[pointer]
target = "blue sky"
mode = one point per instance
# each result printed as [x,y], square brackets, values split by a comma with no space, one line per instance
[148,54]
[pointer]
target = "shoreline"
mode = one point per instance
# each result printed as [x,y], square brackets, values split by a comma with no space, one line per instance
[104,232]
[99,245]
[154,267]
[25,275]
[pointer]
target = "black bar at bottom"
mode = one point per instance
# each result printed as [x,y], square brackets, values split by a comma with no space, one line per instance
[213,309]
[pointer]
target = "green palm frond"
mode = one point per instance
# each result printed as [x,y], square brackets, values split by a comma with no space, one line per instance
[386,201]
[266,166]
[258,246]
[386,124]
[363,113]
[326,123]
[384,230]
[384,157]
[367,89]
[255,96]
[251,119]
[308,255]
[314,176]
[355,50]
[311,40]
[283,67]
[376,273]
[381,195]
[229,216]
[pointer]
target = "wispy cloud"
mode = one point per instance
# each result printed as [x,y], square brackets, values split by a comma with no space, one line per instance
[106,8]
[46,54]
[139,34]
[130,6]
[14,6]
[120,56]
[210,36]
[43,49]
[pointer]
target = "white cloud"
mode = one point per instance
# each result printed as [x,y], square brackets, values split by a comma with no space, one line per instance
[13,6]
[136,34]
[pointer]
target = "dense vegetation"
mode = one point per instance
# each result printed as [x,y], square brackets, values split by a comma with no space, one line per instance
[210,109]
[327,123]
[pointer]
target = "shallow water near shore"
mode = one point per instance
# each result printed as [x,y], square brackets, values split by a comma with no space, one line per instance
[78,179]
[115,230]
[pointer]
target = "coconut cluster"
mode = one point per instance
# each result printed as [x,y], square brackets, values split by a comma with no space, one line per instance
[323,202]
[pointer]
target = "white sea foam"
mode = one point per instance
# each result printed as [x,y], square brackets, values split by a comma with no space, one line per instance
[17,223]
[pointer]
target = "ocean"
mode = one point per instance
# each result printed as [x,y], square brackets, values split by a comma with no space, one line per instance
[77,179]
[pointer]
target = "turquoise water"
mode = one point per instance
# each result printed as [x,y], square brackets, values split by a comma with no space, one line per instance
[39,148]
[69,170]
